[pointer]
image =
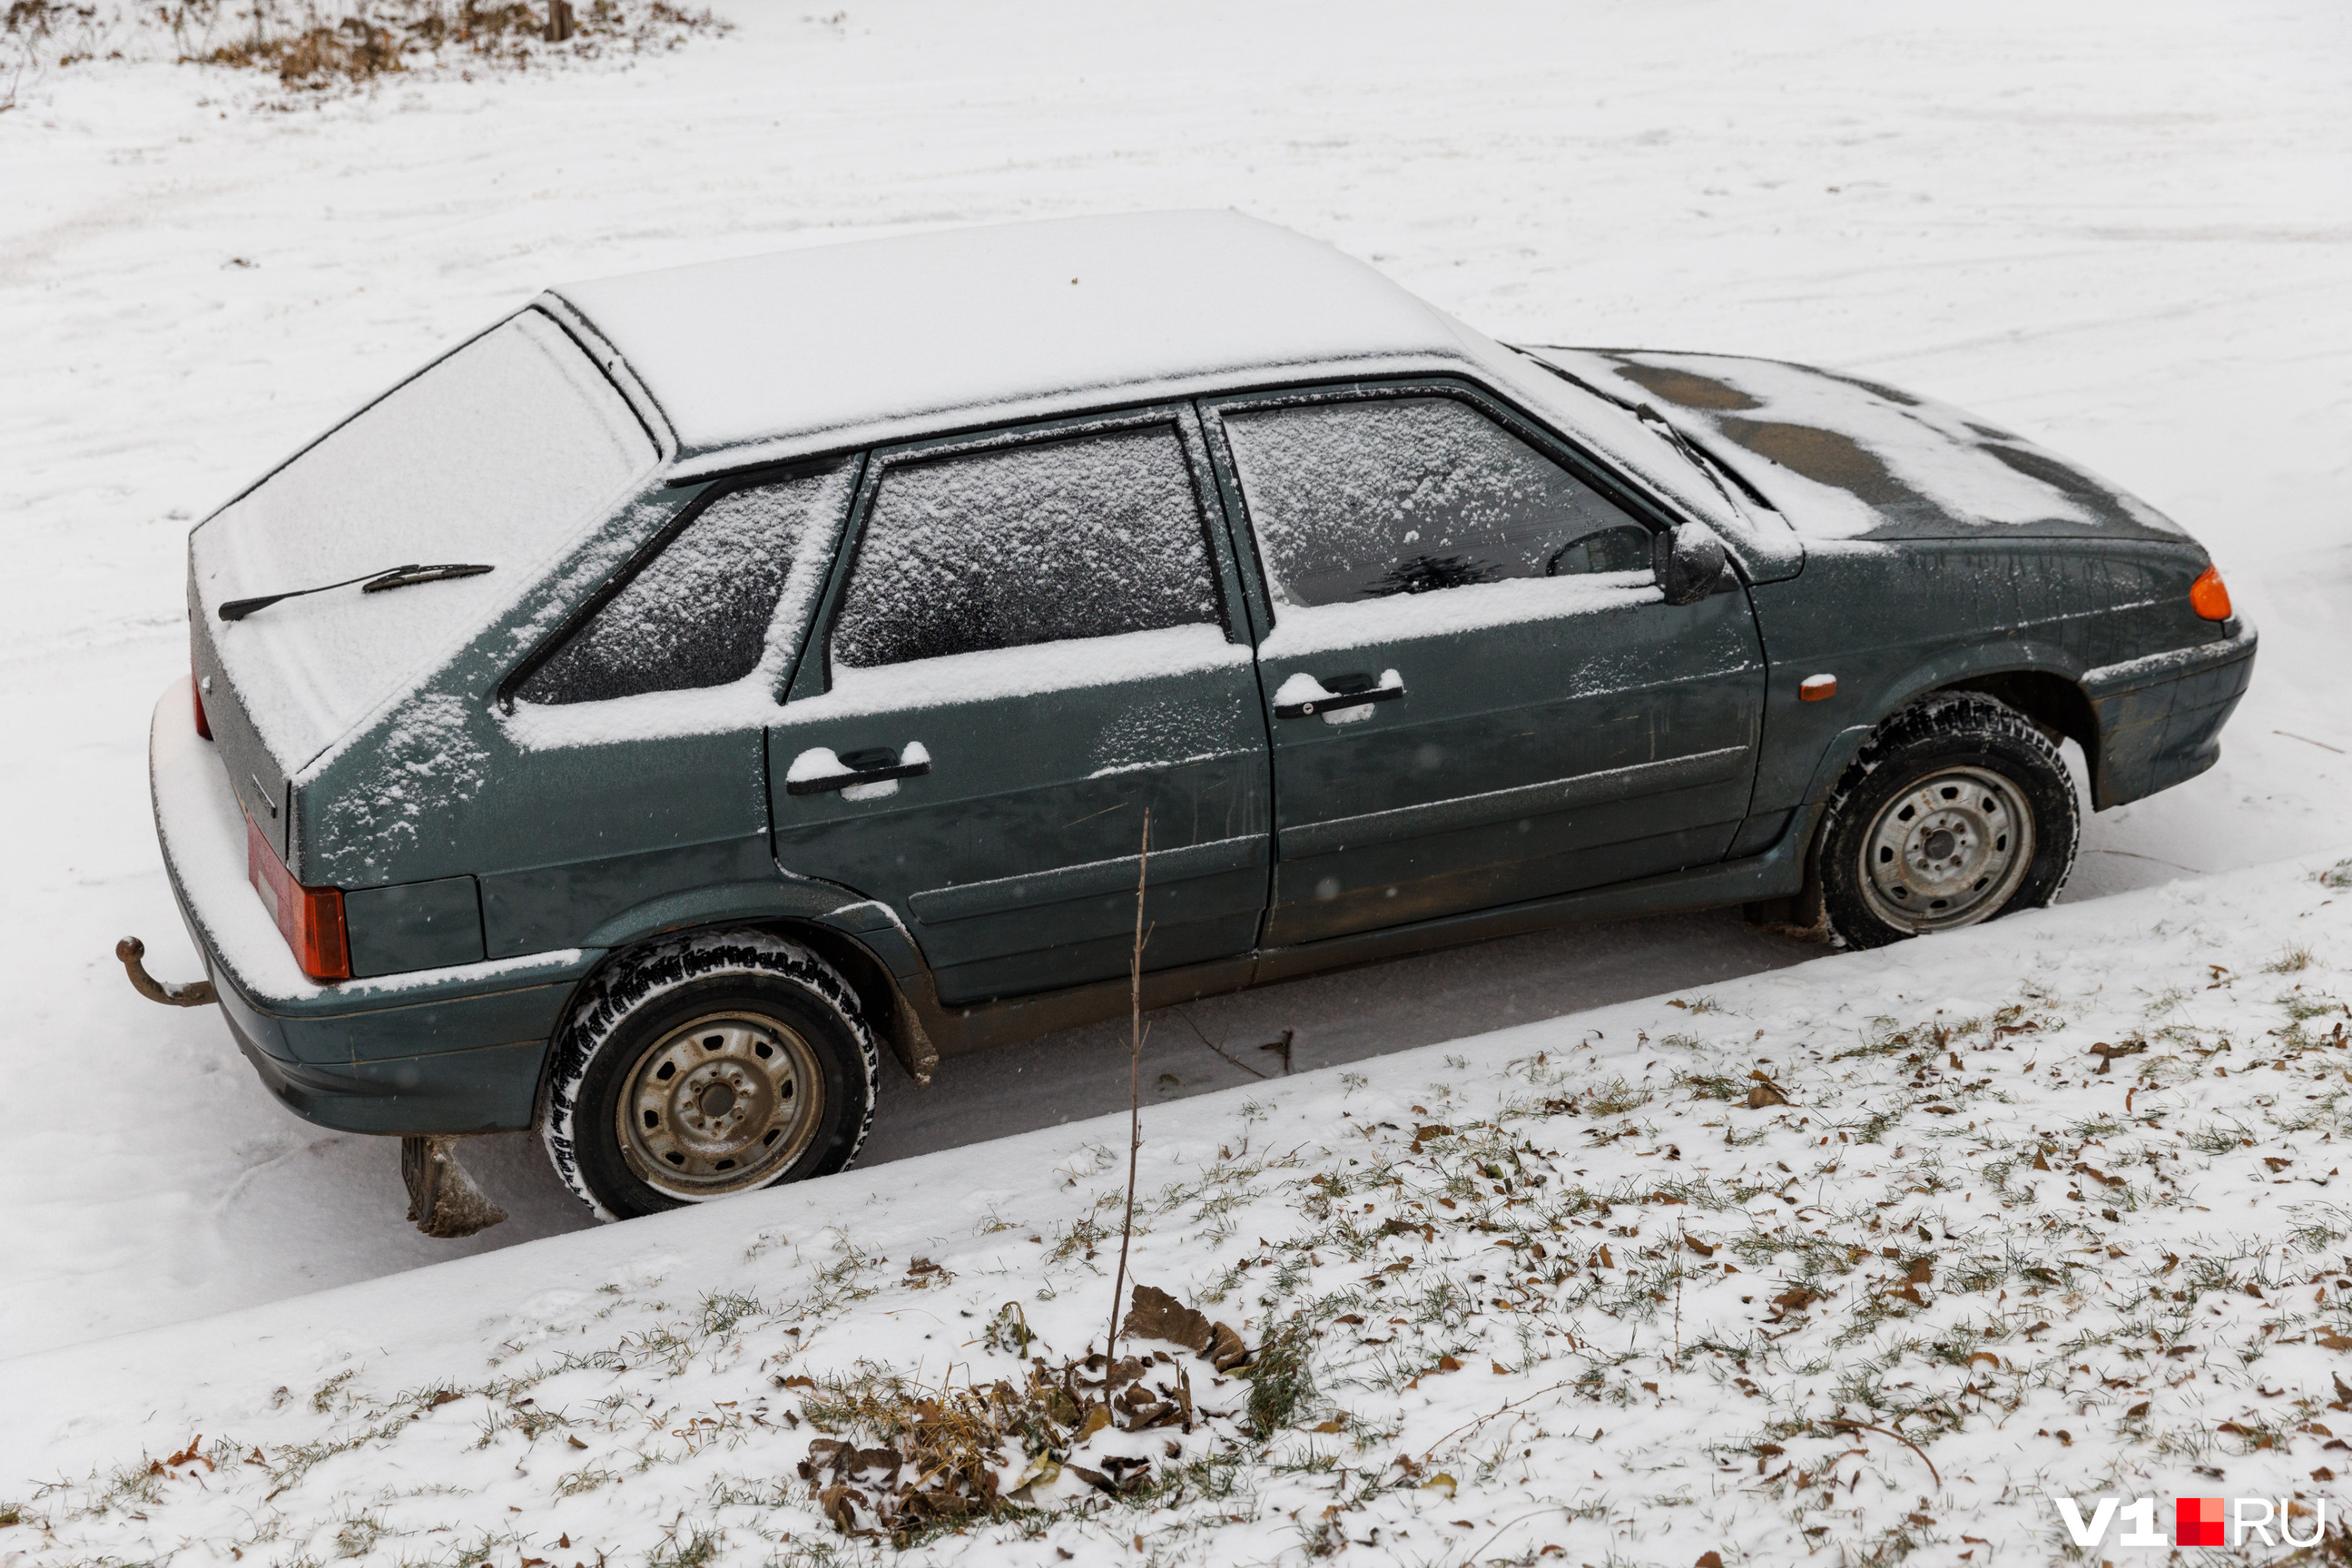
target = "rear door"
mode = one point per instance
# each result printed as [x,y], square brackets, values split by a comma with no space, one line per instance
[1476,692]
[1029,643]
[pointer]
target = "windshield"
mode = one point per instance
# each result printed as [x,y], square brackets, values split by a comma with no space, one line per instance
[499,454]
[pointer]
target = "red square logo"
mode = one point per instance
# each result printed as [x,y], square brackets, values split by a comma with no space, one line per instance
[2197,1520]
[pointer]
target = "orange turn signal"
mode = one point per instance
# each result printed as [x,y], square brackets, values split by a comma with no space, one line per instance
[1817,688]
[2208,596]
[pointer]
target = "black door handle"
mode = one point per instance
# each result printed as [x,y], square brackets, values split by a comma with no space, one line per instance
[874,764]
[1340,691]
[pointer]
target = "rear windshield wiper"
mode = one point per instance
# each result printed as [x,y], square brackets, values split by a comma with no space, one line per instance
[376,583]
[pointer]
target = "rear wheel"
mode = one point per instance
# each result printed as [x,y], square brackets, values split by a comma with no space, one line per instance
[707,1066]
[1957,811]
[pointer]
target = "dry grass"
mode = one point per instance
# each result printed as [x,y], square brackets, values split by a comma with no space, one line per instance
[320,47]
[907,1459]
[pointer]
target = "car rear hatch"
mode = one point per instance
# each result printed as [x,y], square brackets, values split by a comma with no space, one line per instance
[493,459]
[259,776]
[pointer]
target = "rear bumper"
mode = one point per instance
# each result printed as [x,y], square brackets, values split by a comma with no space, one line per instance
[485,1088]
[445,1050]
[2160,716]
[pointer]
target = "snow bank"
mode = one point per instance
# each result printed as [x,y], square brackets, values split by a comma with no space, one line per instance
[1882,1252]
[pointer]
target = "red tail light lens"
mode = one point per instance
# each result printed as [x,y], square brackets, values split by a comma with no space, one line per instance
[309,918]
[2208,596]
[196,695]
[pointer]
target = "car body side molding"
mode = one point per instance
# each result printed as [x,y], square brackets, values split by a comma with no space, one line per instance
[1527,800]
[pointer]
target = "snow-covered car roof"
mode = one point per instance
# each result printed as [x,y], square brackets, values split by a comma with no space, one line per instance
[768,355]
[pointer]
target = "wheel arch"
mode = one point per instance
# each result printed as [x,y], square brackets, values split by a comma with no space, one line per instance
[629,990]
[2030,677]
[890,1010]
[2047,694]
[832,921]
[2055,703]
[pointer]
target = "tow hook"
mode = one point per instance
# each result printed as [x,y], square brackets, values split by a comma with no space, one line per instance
[183,993]
[442,1201]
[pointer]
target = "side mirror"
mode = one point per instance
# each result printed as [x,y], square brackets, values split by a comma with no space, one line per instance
[1690,564]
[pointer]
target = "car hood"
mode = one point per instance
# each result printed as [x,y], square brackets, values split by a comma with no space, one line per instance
[1846,459]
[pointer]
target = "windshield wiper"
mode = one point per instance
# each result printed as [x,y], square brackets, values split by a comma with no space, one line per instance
[1713,471]
[1691,454]
[376,583]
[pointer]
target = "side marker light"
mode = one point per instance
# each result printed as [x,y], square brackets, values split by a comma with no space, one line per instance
[1817,688]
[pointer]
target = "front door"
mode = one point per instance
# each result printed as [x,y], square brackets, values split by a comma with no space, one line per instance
[1476,692]
[1029,642]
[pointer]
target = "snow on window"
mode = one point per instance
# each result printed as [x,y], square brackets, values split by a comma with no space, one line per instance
[499,455]
[1087,537]
[1366,499]
[704,611]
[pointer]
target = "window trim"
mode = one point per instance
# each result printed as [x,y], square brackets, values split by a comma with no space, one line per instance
[643,557]
[813,676]
[1636,503]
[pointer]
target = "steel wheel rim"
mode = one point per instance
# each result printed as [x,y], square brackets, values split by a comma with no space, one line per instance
[721,1105]
[1949,851]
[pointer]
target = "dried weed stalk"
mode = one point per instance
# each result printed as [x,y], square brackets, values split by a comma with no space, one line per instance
[1134,1081]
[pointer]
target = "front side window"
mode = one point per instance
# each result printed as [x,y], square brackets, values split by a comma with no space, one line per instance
[1365,499]
[1088,536]
[705,611]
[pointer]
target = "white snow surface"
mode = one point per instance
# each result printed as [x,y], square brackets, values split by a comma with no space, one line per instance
[2121,231]
[1565,1271]
[836,338]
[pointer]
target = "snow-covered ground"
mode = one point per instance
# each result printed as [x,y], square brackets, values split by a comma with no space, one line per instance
[2121,230]
[1880,1256]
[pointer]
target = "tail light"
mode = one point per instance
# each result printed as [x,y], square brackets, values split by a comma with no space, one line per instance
[309,918]
[2208,596]
[196,695]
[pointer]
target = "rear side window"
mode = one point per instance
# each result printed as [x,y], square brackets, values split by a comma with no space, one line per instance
[1086,536]
[704,612]
[1365,499]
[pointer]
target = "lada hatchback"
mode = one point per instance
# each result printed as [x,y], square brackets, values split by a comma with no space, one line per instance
[631,722]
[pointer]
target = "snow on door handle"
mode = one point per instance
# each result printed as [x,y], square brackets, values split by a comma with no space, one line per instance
[868,774]
[1343,699]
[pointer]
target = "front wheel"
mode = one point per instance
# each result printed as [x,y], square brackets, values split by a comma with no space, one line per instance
[1957,811]
[707,1066]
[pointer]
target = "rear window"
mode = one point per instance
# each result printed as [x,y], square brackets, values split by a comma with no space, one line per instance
[499,454]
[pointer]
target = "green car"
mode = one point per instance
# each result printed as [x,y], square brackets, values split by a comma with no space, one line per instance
[636,719]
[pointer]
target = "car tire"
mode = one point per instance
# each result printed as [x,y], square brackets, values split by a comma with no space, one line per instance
[702,1066]
[1957,810]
